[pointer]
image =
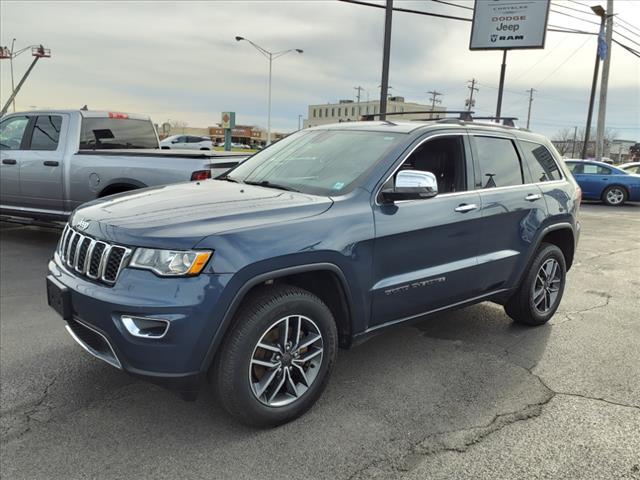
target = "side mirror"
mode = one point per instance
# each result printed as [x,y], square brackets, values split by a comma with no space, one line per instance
[411,185]
[174,141]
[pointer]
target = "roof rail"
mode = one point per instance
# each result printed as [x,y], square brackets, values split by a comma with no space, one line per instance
[462,116]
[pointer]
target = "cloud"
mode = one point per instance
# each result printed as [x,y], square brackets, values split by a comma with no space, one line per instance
[180,60]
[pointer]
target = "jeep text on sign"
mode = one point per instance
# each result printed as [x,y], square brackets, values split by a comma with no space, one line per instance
[507,24]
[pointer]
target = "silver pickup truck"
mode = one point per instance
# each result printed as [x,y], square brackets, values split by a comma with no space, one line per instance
[53,161]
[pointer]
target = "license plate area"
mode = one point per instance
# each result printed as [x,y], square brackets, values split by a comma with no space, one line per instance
[59,297]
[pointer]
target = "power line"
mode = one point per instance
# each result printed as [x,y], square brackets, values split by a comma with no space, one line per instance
[621,20]
[573,16]
[453,4]
[552,28]
[563,62]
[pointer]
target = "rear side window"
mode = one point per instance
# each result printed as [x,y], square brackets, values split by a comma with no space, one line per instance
[499,162]
[46,132]
[541,163]
[113,133]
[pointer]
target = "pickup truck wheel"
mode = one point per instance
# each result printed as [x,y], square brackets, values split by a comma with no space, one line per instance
[539,295]
[614,196]
[276,362]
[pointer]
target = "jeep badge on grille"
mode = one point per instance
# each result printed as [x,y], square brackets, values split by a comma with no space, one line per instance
[82,224]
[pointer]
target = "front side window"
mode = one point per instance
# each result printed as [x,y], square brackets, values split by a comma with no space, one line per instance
[46,132]
[114,133]
[11,132]
[541,163]
[325,162]
[499,162]
[445,158]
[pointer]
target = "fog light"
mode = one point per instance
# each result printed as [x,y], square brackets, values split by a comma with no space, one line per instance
[144,327]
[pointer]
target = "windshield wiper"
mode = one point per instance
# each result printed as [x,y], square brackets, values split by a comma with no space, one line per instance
[268,184]
[229,179]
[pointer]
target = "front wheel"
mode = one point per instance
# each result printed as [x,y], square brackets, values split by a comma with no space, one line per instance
[278,358]
[539,295]
[614,196]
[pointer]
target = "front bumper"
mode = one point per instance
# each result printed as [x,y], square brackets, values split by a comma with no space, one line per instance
[193,307]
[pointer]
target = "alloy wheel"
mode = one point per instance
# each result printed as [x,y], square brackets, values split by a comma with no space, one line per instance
[546,287]
[286,360]
[615,196]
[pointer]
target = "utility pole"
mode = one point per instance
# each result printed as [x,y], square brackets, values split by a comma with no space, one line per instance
[604,84]
[386,54]
[598,10]
[573,145]
[434,99]
[358,89]
[531,90]
[470,102]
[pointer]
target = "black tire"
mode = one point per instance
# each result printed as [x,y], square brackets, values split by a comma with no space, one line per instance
[615,196]
[521,307]
[233,368]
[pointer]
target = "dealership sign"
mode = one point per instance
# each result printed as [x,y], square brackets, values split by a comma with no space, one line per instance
[508,24]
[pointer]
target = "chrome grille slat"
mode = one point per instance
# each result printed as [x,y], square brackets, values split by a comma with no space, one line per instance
[95,259]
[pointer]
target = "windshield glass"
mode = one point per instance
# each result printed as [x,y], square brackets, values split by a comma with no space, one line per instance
[111,133]
[318,162]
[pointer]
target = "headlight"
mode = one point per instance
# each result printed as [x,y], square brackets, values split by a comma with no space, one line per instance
[170,263]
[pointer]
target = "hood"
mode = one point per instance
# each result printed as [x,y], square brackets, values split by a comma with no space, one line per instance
[178,216]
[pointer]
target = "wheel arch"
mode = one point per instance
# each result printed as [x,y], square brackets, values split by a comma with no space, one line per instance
[119,185]
[312,277]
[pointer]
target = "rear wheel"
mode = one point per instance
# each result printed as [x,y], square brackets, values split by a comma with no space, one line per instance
[614,196]
[540,293]
[277,360]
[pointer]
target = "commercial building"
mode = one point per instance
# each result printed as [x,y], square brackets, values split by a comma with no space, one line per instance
[350,111]
[245,134]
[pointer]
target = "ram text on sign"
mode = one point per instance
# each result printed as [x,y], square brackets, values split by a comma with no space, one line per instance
[507,24]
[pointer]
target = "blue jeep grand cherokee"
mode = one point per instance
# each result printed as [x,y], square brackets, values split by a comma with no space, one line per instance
[319,241]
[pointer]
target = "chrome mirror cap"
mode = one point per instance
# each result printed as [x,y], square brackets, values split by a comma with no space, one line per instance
[411,185]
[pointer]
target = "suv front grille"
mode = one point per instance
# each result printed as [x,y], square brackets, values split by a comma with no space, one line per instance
[94,259]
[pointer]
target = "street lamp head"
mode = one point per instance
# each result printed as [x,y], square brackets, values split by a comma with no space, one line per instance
[239,38]
[598,10]
[298,50]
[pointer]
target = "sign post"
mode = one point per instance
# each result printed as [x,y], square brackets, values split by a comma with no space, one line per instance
[508,25]
[228,124]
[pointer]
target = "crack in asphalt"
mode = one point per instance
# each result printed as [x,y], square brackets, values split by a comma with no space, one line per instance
[37,408]
[460,440]
[608,254]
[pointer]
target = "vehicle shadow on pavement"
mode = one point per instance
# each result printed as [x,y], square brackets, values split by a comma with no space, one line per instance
[457,370]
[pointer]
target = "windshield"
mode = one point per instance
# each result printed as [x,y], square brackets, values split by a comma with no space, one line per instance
[110,133]
[318,162]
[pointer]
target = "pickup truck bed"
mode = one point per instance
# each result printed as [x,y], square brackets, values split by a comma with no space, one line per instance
[49,165]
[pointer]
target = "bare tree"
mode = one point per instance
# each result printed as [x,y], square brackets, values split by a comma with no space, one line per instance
[563,141]
[178,126]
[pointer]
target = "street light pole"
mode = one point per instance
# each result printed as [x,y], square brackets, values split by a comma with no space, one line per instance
[598,10]
[271,56]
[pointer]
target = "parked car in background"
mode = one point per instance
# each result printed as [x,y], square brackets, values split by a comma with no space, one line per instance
[255,281]
[633,167]
[186,142]
[53,161]
[601,181]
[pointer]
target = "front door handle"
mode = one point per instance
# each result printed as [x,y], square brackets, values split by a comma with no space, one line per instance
[466,207]
[532,197]
[51,163]
[9,161]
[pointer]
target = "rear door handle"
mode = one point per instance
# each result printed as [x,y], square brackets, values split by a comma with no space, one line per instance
[51,163]
[9,161]
[532,197]
[466,207]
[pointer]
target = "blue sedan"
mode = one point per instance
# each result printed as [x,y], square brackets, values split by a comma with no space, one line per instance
[600,181]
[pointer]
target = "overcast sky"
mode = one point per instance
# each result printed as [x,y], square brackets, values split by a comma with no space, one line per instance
[180,61]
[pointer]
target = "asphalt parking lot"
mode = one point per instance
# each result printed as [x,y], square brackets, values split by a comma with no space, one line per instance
[463,395]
